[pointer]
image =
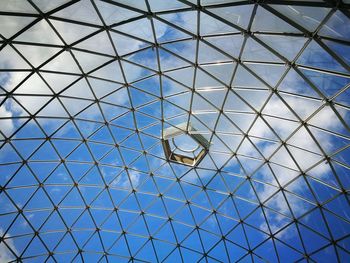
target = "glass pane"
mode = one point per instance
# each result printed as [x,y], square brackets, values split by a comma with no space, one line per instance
[336,27]
[307,17]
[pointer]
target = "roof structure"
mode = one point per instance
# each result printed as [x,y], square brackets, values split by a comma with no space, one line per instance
[89,91]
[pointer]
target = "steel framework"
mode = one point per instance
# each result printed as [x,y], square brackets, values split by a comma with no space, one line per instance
[87,89]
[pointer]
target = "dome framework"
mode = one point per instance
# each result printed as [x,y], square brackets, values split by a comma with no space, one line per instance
[88,89]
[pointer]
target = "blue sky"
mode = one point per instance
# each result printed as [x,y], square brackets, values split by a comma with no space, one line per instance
[119,219]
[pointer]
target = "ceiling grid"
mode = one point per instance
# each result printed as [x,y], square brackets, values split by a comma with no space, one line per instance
[89,88]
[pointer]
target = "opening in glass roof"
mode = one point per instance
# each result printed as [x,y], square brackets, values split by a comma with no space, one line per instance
[184,145]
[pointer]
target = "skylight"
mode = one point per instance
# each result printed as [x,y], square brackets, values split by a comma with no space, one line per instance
[174,131]
[184,145]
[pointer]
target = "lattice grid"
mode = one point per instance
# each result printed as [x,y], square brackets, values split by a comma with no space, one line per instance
[88,87]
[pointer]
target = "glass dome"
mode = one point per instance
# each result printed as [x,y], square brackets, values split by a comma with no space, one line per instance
[174,131]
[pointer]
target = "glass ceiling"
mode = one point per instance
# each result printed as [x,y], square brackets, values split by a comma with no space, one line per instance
[89,88]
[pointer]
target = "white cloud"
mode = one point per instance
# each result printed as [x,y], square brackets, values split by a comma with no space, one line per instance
[124,179]
[35,87]
[5,253]
[134,178]
[284,176]
[7,125]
